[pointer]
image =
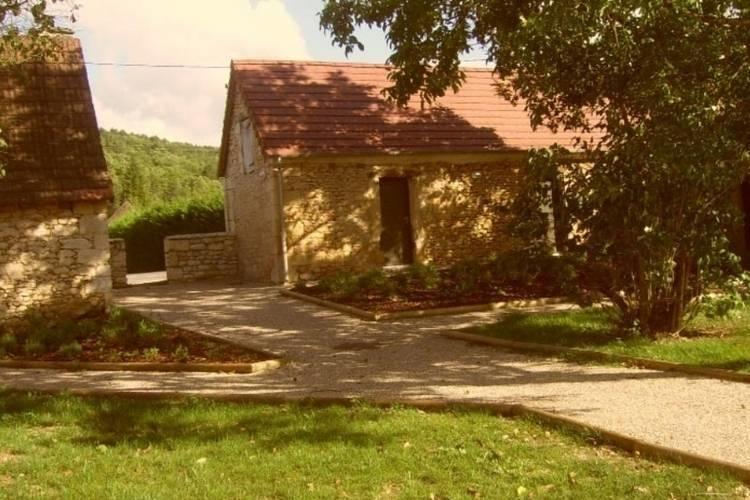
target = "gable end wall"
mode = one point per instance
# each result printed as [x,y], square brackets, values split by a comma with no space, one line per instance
[252,209]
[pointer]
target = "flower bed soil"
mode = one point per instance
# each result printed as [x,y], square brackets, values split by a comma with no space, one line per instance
[420,299]
[200,349]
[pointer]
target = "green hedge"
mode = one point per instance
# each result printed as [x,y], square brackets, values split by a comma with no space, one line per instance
[144,230]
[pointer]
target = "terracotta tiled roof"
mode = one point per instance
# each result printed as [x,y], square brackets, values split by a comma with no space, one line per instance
[302,108]
[48,121]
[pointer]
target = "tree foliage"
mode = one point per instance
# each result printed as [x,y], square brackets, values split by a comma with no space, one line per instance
[33,18]
[149,170]
[657,91]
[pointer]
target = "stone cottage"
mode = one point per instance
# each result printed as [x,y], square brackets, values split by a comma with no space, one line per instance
[54,248]
[322,173]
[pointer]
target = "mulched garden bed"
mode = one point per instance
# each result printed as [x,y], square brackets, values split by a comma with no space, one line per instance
[419,299]
[120,338]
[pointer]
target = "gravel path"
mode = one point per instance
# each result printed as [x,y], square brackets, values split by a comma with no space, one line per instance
[334,355]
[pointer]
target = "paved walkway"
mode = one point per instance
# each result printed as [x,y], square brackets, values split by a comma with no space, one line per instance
[147,278]
[334,355]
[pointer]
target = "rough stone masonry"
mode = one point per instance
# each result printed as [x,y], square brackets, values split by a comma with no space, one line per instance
[192,257]
[54,260]
[118,262]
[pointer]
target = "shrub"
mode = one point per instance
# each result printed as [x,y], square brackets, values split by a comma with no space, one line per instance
[8,342]
[36,335]
[111,333]
[732,297]
[340,284]
[469,275]
[151,354]
[181,354]
[423,276]
[555,274]
[71,350]
[144,230]
[376,281]
[40,335]
[149,332]
[33,347]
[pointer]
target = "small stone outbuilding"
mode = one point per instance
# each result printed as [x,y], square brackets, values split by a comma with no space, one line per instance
[54,248]
[322,173]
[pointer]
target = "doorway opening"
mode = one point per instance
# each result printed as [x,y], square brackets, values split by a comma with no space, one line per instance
[396,238]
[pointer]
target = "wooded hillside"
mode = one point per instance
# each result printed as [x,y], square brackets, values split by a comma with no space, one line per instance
[150,170]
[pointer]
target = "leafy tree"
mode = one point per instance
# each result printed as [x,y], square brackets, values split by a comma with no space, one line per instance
[31,20]
[657,93]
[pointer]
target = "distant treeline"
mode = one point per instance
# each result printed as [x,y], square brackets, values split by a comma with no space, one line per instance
[150,170]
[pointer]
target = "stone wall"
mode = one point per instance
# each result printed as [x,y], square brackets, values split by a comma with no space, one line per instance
[193,257]
[252,209]
[332,213]
[54,260]
[118,263]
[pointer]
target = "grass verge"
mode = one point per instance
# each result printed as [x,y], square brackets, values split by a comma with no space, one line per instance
[117,448]
[723,344]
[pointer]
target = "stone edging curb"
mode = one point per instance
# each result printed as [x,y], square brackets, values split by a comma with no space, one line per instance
[421,313]
[626,443]
[257,367]
[585,354]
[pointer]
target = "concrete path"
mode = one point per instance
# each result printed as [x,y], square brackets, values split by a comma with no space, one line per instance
[335,355]
[147,278]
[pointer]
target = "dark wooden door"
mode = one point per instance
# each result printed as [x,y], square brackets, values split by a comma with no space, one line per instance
[395,216]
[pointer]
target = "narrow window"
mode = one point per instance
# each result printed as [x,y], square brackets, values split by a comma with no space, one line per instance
[229,205]
[247,135]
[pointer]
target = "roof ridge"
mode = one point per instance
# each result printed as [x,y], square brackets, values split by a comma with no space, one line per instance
[346,64]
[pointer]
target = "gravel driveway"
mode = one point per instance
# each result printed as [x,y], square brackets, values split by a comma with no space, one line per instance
[335,355]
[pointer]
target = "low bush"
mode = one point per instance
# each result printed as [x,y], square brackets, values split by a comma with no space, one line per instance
[36,335]
[341,284]
[425,276]
[71,350]
[152,354]
[144,230]
[469,275]
[377,281]
[119,336]
[346,284]
[511,272]
[182,354]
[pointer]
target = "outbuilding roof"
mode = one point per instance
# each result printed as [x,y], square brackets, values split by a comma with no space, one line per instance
[47,116]
[314,108]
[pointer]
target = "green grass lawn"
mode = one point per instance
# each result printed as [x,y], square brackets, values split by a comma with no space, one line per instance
[111,448]
[714,343]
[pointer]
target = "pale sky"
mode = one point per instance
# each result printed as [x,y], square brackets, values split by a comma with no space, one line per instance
[188,104]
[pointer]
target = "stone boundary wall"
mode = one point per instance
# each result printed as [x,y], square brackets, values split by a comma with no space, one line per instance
[191,257]
[54,260]
[118,262]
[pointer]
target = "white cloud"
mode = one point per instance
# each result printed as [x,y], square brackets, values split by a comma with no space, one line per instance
[181,104]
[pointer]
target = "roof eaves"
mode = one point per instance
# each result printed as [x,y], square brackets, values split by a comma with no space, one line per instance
[390,155]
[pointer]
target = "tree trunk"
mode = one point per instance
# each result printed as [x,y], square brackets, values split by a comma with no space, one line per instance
[679,292]
[644,298]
